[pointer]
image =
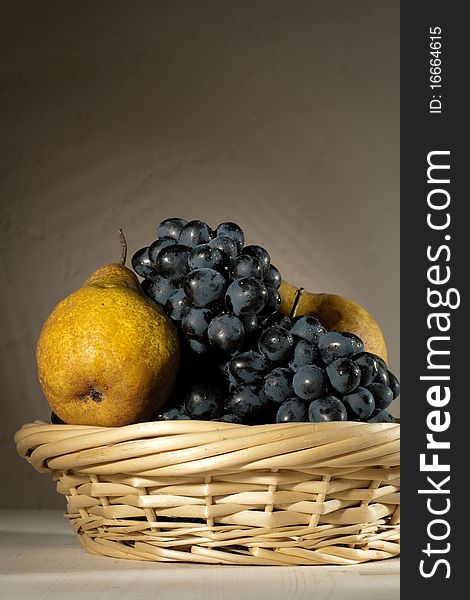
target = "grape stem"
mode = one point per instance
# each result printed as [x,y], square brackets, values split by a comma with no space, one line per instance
[122,239]
[295,305]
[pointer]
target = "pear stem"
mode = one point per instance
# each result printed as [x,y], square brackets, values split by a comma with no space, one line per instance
[295,305]
[122,239]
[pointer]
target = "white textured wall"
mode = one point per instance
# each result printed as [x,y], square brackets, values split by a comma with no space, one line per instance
[282,116]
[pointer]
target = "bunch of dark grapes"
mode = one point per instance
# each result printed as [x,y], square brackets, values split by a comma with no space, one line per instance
[301,372]
[210,283]
[242,360]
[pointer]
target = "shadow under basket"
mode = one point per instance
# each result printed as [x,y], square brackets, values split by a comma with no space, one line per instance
[219,493]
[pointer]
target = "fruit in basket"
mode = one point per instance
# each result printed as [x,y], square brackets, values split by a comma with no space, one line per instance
[310,382]
[336,313]
[248,405]
[329,408]
[107,355]
[344,375]
[320,357]
[292,409]
[361,403]
[204,401]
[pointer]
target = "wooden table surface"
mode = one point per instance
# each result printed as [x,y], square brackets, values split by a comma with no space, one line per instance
[40,557]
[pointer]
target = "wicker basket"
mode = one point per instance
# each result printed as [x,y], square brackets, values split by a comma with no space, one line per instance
[207,492]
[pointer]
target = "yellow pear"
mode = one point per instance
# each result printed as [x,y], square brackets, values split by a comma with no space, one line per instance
[337,314]
[107,355]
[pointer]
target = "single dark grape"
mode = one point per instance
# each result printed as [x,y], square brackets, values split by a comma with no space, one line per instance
[177,305]
[393,384]
[307,328]
[204,401]
[276,343]
[261,254]
[172,262]
[248,368]
[160,289]
[227,247]
[158,245]
[205,256]
[246,296]
[171,228]
[245,266]
[367,362]
[333,345]
[247,404]
[142,264]
[276,318]
[195,323]
[229,418]
[226,333]
[383,395]
[304,354]
[344,375]
[204,287]
[328,408]
[381,416]
[310,382]
[292,410]
[361,403]
[273,278]
[195,233]
[232,231]
[278,385]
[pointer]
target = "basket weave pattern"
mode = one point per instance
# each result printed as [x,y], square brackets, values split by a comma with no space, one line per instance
[197,491]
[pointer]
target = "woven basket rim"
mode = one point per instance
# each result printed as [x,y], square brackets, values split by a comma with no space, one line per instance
[188,445]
